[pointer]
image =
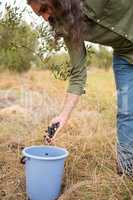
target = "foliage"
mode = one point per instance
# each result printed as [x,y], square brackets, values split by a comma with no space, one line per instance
[61,71]
[23,46]
[101,58]
[59,65]
[47,46]
[17,40]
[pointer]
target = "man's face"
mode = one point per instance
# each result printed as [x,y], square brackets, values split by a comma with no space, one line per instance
[42,10]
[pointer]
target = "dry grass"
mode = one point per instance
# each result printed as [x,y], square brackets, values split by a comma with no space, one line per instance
[90,171]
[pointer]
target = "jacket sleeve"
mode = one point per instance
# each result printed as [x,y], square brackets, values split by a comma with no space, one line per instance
[78,70]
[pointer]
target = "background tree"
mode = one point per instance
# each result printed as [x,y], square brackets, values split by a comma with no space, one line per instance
[22,45]
[101,58]
[18,42]
[26,45]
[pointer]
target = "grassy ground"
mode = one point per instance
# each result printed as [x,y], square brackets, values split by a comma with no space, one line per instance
[28,103]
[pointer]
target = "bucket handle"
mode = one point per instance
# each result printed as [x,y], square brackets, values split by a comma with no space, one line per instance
[23,160]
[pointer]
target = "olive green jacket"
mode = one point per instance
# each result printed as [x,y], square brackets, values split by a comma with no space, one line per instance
[117,16]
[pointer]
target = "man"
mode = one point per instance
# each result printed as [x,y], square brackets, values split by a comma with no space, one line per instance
[107,22]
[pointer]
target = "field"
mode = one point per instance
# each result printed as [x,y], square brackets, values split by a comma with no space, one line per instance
[28,103]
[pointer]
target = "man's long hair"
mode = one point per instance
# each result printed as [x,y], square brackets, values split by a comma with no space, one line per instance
[68,18]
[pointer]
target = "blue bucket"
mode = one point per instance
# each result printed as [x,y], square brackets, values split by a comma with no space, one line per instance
[44,166]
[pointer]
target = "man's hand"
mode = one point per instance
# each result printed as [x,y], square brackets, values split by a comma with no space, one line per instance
[69,103]
[57,122]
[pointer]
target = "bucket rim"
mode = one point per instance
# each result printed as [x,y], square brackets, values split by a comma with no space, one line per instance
[66,153]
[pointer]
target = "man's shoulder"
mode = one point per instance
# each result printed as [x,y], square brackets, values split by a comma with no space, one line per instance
[97,6]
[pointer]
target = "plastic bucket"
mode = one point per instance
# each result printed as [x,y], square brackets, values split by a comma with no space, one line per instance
[44,166]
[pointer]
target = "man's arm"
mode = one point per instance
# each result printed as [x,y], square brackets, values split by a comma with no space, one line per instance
[77,79]
[76,84]
[69,103]
[78,70]
[78,76]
